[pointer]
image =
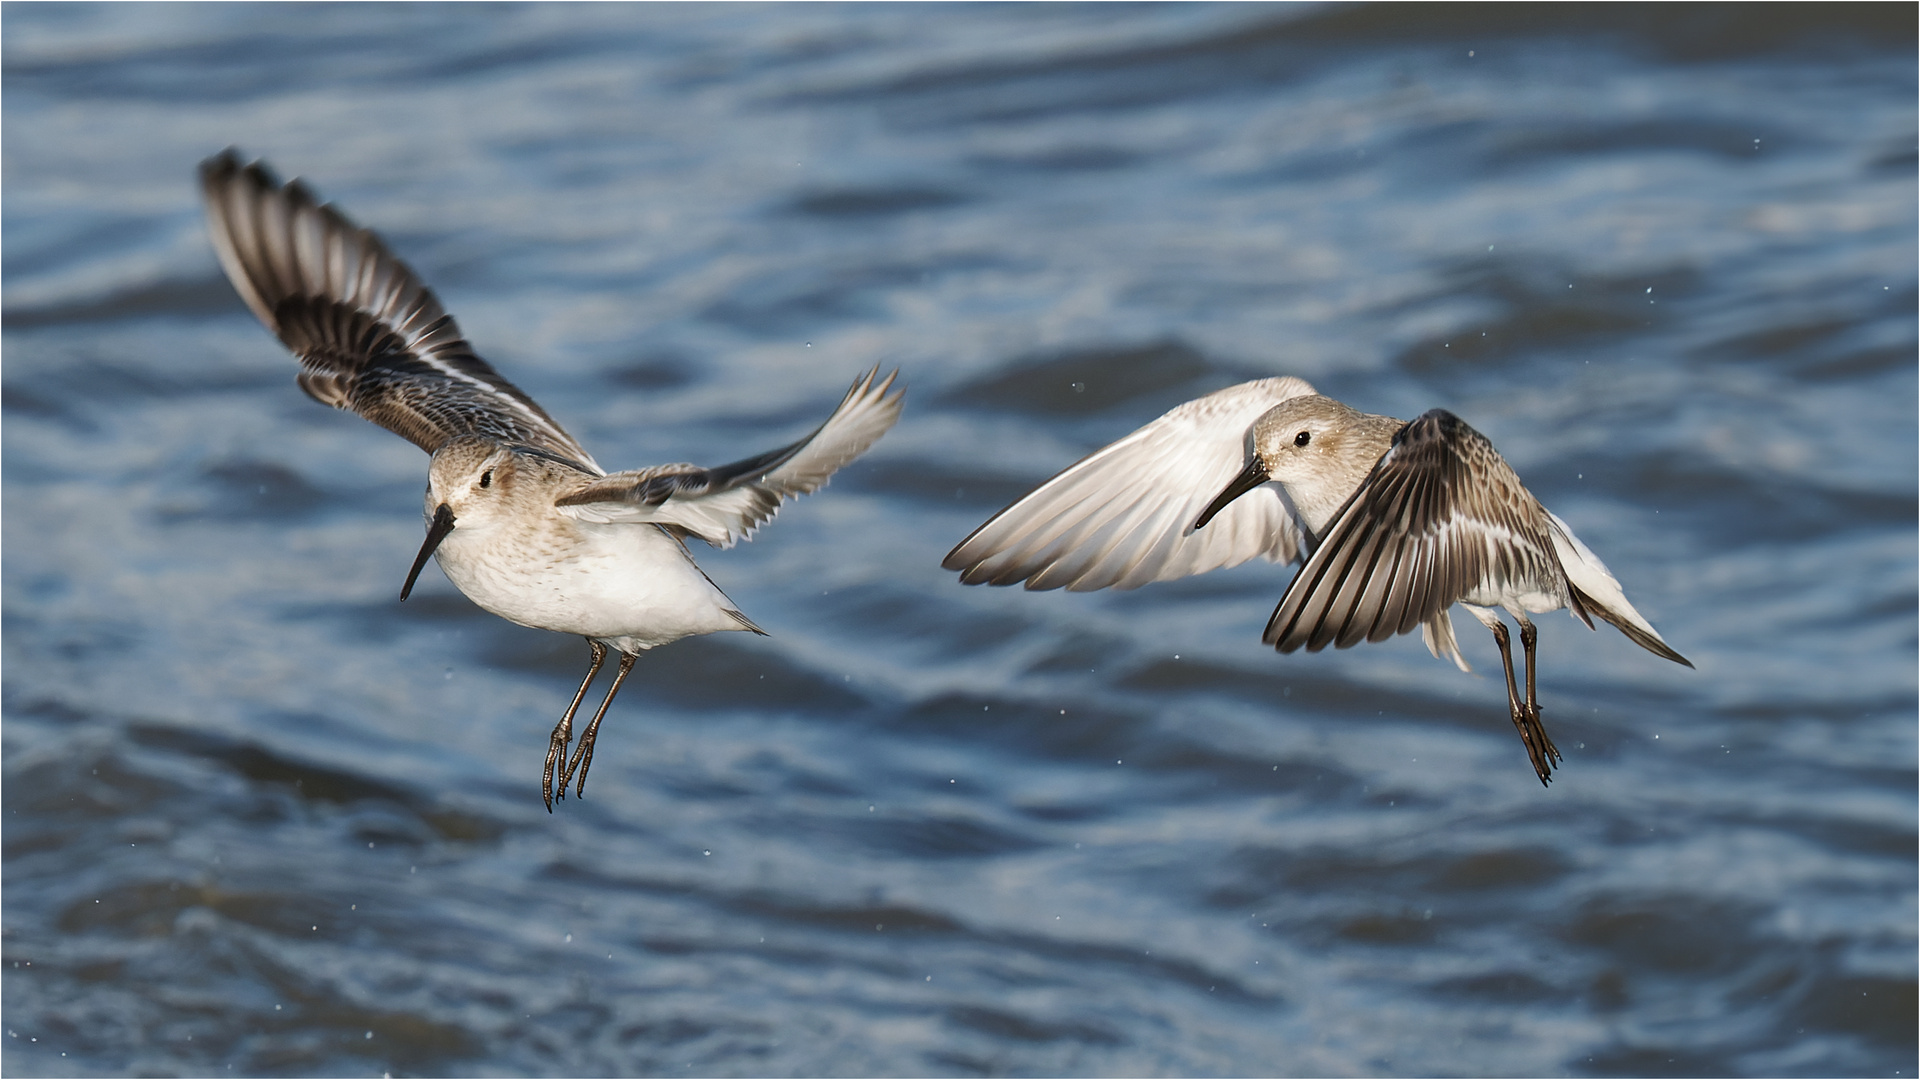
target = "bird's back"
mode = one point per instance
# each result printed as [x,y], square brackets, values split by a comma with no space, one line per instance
[1442,519]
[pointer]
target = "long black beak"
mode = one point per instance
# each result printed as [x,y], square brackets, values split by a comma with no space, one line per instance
[436,532]
[1250,477]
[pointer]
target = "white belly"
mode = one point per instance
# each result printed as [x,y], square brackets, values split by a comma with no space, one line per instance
[1534,597]
[630,585]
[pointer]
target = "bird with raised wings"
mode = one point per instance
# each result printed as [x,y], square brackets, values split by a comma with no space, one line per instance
[519,516]
[1395,521]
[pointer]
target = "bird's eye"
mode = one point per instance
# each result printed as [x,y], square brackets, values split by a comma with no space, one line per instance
[1303,438]
[486,478]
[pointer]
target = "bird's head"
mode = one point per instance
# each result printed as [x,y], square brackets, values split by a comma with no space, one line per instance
[1304,439]
[468,486]
[1317,447]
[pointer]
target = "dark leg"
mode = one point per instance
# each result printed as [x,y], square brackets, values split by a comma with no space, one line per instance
[1528,636]
[1506,661]
[583,755]
[1523,720]
[563,731]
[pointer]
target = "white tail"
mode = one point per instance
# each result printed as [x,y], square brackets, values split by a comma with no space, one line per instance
[1599,591]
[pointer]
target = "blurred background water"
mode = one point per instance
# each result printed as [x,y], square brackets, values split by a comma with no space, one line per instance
[262,818]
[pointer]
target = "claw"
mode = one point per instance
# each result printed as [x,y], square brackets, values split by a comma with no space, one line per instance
[1540,749]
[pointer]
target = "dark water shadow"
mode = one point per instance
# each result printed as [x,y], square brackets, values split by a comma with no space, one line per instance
[1084,382]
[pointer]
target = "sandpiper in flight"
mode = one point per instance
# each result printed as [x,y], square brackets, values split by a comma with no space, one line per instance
[1396,520]
[520,517]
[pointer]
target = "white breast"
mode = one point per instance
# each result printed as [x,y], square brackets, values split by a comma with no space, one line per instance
[631,585]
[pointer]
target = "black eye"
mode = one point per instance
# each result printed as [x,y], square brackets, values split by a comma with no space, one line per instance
[1303,438]
[486,478]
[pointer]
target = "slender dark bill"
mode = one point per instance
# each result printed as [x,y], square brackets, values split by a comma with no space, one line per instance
[436,532]
[1250,477]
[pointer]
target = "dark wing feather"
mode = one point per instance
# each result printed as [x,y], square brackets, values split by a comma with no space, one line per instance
[370,336]
[1440,517]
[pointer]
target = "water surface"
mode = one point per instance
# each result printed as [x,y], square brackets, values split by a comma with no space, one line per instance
[262,818]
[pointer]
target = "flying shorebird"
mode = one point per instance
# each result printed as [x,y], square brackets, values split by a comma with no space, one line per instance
[520,517]
[1396,520]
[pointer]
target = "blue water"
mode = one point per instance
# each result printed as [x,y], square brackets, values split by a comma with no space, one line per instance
[262,818]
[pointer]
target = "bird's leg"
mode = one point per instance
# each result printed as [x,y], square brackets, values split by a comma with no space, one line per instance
[1506,660]
[1523,720]
[563,731]
[1528,636]
[583,755]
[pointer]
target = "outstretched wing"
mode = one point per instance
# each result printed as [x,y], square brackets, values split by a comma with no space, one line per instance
[1441,517]
[724,505]
[370,336]
[1123,515]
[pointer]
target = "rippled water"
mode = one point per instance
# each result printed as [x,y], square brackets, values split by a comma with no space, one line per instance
[262,818]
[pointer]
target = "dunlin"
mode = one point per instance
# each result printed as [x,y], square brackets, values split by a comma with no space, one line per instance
[1396,520]
[520,517]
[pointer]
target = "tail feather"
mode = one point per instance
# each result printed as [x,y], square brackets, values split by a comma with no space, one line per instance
[746,623]
[1437,632]
[1640,634]
[1595,589]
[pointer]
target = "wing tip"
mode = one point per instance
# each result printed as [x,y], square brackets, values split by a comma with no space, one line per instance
[230,164]
[884,396]
[221,165]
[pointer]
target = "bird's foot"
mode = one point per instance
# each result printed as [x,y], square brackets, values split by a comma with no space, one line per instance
[1553,752]
[1540,748]
[582,758]
[556,755]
